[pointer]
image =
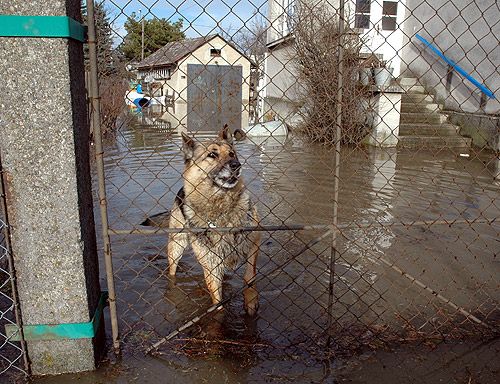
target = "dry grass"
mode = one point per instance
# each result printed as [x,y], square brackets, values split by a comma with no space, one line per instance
[112,90]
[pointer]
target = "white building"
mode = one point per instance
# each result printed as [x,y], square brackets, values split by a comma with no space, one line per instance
[206,81]
[467,32]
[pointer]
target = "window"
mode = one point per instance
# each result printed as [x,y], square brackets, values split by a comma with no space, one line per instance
[288,12]
[214,52]
[389,14]
[362,14]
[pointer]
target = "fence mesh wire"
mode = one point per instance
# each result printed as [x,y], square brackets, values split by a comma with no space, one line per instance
[12,364]
[397,249]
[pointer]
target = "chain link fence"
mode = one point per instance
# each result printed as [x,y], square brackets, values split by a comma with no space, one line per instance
[13,360]
[367,134]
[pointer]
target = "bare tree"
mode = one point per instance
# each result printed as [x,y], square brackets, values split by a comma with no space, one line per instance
[316,44]
[251,39]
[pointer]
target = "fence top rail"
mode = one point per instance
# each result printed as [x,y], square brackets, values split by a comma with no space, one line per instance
[456,67]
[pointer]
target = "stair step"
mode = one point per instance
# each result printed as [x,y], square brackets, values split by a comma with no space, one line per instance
[408,81]
[425,118]
[414,89]
[434,142]
[427,130]
[420,107]
[416,98]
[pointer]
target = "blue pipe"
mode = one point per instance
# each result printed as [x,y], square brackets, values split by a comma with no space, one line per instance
[457,68]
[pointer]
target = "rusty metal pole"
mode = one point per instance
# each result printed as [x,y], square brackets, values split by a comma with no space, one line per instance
[338,132]
[96,124]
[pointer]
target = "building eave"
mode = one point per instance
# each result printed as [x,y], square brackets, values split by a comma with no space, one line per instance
[156,66]
[281,41]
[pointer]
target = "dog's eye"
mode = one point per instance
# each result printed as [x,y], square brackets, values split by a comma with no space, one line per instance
[232,154]
[213,155]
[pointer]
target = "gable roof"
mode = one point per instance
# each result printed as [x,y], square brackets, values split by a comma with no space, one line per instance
[173,52]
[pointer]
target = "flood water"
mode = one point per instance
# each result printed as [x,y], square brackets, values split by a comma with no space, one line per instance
[428,214]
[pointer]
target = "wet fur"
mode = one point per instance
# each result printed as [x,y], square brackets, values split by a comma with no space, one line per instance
[215,198]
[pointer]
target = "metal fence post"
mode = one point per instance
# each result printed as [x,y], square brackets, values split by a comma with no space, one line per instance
[336,177]
[45,154]
[96,128]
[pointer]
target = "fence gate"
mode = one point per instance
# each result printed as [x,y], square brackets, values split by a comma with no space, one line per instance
[373,165]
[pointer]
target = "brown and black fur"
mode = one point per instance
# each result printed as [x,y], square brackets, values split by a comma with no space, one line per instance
[214,195]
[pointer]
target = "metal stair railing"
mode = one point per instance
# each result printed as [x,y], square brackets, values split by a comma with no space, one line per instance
[456,67]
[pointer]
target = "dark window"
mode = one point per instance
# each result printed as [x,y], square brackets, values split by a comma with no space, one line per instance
[362,21]
[388,23]
[362,15]
[389,10]
[215,52]
[363,6]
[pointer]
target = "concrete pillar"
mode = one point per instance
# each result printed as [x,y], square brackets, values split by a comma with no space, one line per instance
[386,117]
[44,140]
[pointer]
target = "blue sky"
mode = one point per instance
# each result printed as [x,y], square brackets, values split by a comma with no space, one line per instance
[200,17]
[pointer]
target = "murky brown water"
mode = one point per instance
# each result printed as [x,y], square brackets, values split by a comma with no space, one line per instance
[292,183]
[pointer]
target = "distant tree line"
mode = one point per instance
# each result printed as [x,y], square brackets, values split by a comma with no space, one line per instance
[157,33]
[112,57]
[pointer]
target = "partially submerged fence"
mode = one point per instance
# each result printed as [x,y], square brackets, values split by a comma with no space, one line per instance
[13,359]
[378,211]
[372,163]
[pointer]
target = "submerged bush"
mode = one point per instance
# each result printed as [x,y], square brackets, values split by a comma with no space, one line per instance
[317,42]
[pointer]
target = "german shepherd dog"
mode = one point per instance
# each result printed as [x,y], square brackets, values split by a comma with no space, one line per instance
[214,196]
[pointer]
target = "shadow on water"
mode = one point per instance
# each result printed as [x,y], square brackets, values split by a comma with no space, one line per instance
[292,182]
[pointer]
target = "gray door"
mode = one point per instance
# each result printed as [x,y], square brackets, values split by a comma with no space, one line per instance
[213,97]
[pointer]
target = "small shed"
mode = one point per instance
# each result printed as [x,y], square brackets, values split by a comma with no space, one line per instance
[205,81]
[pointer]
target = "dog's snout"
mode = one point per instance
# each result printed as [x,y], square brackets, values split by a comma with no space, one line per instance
[235,164]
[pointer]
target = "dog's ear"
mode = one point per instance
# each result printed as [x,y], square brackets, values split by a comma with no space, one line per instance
[188,145]
[225,134]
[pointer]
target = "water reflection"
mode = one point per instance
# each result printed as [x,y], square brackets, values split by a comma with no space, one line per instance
[292,182]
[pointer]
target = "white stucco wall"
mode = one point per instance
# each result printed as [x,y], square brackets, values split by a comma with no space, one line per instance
[283,91]
[466,32]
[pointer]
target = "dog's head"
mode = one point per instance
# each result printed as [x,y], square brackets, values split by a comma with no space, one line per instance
[215,160]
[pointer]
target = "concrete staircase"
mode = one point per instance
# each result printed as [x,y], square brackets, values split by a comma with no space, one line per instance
[423,125]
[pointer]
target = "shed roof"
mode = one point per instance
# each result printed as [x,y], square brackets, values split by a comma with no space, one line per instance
[173,52]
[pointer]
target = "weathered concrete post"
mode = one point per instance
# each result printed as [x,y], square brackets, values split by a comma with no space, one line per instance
[44,147]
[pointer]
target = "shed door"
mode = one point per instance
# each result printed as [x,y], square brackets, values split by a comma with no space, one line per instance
[214,96]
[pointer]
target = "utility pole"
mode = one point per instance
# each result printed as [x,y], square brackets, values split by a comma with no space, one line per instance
[142,34]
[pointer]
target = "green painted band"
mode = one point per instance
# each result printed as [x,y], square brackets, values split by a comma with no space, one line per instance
[59,331]
[42,26]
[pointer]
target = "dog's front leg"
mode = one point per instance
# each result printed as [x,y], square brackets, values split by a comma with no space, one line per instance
[177,243]
[213,270]
[250,294]
[213,278]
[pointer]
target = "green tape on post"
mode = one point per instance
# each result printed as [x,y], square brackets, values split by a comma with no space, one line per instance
[59,331]
[42,26]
